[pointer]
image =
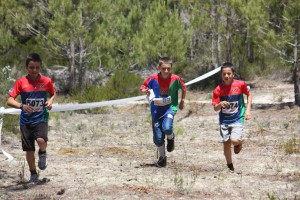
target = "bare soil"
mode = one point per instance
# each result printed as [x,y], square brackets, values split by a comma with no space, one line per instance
[110,155]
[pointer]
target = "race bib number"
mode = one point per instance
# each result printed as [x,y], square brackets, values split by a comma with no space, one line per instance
[162,101]
[232,108]
[36,104]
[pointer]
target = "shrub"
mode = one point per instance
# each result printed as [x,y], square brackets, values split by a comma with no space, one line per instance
[122,84]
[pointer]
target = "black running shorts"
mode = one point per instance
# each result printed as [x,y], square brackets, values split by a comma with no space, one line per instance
[30,133]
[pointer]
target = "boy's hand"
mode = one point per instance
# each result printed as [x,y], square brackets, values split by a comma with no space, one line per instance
[27,108]
[224,104]
[181,104]
[146,91]
[247,115]
[48,105]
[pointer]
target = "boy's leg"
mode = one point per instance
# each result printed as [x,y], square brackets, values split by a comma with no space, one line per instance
[167,127]
[225,132]
[159,141]
[28,145]
[236,137]
[30,160]
[27,136]
[227,153]
[158,135]
[42,144]
[41,134]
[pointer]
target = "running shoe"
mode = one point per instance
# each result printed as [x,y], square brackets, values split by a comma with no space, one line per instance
[162,161]
[42,161]
[230,167]
[34,178]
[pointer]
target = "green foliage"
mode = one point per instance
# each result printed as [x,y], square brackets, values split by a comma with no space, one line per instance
[163,34]
[6,83]
[122,84]
[11,124]
[292,146]
[88,35]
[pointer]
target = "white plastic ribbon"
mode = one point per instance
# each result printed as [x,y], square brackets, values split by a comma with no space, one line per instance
[204,76]
[78,106]
[10,158]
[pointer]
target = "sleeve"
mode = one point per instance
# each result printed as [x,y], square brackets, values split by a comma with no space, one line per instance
[245,89]
[145,85]
[51,88]
[182,84]
[15,90]
[215,97]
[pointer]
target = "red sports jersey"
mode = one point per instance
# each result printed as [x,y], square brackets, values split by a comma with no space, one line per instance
[167,88]
[33,93]
[234,94]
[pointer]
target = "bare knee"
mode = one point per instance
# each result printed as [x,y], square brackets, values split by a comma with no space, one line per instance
[40,141]
[235,142]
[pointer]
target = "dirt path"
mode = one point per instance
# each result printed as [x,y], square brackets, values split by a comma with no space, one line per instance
[110,155]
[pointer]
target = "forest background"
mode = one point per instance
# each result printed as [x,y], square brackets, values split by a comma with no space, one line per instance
[101,49]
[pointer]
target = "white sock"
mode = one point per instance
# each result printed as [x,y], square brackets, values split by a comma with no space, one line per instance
[170,137]
[161,150]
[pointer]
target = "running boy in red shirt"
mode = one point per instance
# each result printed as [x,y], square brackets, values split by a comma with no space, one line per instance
[164,87]
[33,89]
[228,99]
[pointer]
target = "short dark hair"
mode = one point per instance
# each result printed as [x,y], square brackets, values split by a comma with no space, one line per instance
[33,57]
[232,67]
[228,65]
[165,60]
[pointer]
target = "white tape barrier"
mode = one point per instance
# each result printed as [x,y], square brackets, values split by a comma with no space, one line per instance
[79,106]
[71,107]
[204,76]
[10,158]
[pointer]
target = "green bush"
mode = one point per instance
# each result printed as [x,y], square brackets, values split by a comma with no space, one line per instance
[11,124]
[122,84]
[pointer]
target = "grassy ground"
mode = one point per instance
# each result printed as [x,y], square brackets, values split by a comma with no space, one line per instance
[110,155]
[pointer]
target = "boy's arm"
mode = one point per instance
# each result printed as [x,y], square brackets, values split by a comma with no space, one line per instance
[217,104]
[181,104]
[50,101]
[144,87]
[248,109]
[13,103]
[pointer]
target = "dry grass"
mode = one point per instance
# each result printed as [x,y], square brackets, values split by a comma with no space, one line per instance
[111,155]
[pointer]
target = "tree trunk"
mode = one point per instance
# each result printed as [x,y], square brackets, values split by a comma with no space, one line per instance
[249,46]
[81,66]
[214,35]
[296,69]
[228,36]
[192,48]
[72,68]
[220,58]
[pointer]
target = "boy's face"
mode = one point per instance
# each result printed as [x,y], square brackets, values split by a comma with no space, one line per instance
[165,70]
[33,69]
[227,75]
